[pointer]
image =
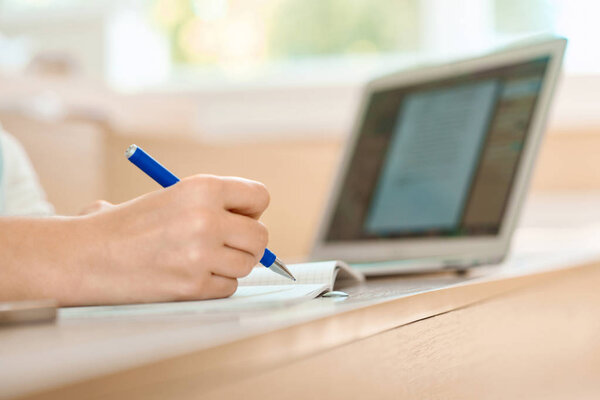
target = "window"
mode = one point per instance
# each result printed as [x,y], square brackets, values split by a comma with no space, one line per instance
[255,31]
[238,34]
[243,39]
[323,48]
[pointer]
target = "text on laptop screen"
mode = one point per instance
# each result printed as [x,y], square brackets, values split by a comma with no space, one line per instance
[438,158]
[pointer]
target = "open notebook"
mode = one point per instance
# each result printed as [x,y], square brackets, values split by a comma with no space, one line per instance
[259,290]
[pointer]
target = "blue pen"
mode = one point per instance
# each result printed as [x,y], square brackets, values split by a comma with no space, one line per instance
[165,178]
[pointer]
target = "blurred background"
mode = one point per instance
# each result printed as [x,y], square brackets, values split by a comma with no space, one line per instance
[264,89]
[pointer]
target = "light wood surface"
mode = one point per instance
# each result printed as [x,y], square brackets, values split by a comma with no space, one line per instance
[426,324]
[190,356]
[539,342]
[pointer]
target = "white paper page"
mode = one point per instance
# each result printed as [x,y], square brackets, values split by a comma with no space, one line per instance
[245,298]
[308,273]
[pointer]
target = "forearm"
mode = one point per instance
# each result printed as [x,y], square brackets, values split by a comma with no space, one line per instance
[42,258]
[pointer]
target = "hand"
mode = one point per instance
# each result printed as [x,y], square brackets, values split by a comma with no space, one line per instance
[190,241]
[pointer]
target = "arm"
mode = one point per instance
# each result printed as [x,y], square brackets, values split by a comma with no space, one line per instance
[190,241]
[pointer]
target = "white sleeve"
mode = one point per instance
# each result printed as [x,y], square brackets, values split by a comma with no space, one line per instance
[23,194]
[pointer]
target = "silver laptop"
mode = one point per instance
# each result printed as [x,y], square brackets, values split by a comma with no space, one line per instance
[439,162]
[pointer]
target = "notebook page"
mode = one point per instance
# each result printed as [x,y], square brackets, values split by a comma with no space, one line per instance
[307,273]
[245,298]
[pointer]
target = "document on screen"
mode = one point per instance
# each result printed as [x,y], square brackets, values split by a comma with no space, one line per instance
[432,157]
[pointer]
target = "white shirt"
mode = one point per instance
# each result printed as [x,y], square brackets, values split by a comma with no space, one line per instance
[20,190]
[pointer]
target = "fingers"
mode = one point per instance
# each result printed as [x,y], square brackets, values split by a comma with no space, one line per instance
[219,287]
[238,195]
[233,263]
[246,234]
[246,197]
[209,232]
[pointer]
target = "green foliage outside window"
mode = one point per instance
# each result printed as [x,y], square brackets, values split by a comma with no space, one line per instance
[209,32]
[303,28]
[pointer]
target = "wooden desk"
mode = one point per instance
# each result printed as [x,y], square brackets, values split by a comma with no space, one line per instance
[525,329]
[474,337]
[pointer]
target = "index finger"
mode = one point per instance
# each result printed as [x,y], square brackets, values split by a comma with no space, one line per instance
[244,196]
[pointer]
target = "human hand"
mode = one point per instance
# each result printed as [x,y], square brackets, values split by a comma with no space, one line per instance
[189,241]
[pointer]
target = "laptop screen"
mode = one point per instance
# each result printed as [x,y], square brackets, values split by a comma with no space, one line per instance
[438,159]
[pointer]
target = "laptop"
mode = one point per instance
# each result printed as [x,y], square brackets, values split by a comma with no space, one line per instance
[439,161]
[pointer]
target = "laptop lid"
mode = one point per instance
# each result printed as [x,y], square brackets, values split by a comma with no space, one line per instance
[440,159]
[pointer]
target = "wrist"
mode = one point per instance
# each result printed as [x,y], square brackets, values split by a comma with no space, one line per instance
[39,257]
[86,259]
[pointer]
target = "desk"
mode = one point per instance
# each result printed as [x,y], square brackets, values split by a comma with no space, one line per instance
[528,328]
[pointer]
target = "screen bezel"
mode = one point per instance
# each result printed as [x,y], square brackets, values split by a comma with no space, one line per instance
[461,249]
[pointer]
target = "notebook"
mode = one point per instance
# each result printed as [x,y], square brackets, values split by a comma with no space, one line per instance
[316,273]
[260,290]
